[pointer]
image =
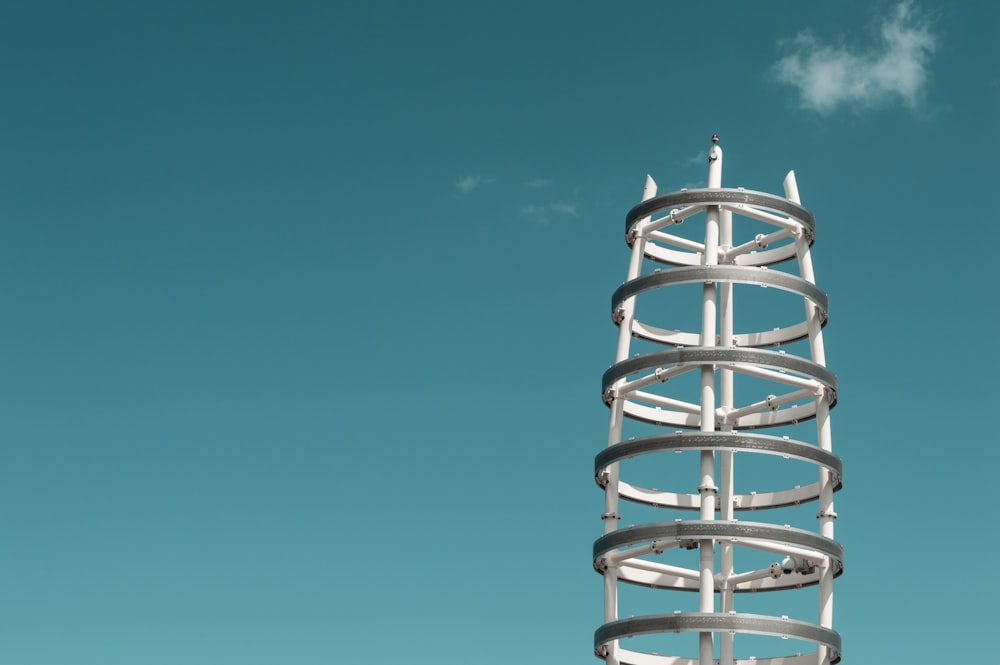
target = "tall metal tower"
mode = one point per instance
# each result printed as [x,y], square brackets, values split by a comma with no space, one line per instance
[693,382]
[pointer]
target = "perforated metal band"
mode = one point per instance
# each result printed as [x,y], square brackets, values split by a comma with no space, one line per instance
[698,622]
[737,274]
[724,273]
[717,530]
[756,443]
[704,355]
[720,196]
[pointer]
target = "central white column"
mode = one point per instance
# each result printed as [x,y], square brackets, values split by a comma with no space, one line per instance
[726,477]
[707,488]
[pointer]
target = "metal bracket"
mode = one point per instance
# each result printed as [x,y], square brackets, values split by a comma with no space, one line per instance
[602,478]
[795,565]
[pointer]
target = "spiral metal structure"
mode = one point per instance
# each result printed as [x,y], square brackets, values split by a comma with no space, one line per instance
[709,390]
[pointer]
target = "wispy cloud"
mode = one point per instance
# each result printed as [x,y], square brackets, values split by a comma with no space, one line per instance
[894,70]
[544,214]
[536,183]
[700,159]
[468,183]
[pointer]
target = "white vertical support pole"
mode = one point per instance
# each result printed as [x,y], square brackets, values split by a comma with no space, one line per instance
[707,488]
[824,438]
[611,518]
[611,608]
[611,498]
[611,515]
[826,516]
[726,401]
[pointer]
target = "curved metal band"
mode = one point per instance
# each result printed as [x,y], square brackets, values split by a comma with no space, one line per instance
[709,355]
[759,443]
[720,196]
[675,257]
[736,274]
[702,622]
[753,340]
[644,573]
[629,657]
[762,443]
[719,530]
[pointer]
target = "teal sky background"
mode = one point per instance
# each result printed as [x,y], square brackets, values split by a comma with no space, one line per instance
[306,305]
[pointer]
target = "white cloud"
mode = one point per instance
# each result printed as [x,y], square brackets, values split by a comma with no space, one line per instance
[544,214]
[470,182]
[895,69]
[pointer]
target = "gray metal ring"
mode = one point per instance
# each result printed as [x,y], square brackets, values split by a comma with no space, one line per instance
[736,274]
[760,443]
[718,530]
[711,355]
[720,196]
[715,441]
[701,622]
[733,274]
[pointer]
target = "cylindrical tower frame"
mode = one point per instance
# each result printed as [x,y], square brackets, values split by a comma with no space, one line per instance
[716,425]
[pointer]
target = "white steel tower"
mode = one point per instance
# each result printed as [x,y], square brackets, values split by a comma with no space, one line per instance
[694,382]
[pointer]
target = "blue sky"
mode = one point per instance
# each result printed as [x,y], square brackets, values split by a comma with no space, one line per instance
[306,308]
